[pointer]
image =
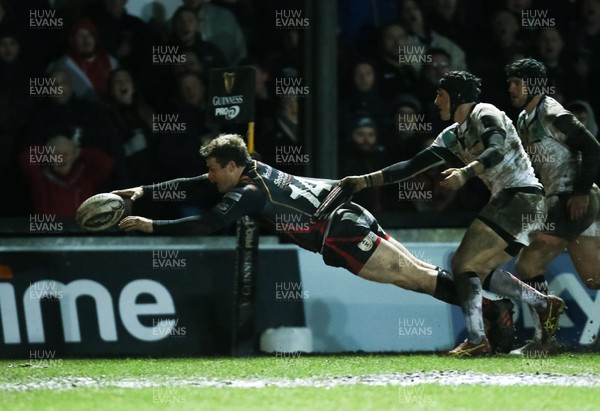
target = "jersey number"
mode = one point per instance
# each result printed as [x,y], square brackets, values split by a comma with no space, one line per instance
[309,190]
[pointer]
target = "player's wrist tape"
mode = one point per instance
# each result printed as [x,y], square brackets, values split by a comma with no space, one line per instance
[368,180]
[469,171]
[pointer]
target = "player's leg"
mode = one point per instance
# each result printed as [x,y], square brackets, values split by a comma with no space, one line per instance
[480,251]
[530,265]
[356,242]
[405,251]
[585,253]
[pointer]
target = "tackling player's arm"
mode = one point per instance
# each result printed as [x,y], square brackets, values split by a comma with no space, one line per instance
[492,138]
[234,204]
[423,161]
[580,139]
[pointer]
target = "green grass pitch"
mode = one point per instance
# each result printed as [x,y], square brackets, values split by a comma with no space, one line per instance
[302,382]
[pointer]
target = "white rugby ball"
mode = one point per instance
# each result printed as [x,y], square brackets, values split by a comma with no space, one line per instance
[100,212]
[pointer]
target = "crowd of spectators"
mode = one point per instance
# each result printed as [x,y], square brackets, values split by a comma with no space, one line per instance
[89,93]
[394,53]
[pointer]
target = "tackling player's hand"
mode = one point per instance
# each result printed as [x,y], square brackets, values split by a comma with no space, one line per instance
[578,205]
[131,193]
[132,223]
[359,182]
[455,178]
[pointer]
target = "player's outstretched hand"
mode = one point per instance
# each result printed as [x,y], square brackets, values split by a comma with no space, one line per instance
[131,193]
[455,178]
[132,223]
[359,182]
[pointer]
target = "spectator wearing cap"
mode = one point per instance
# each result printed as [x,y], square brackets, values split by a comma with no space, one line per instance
[86,61]
[59,184]
[363,154]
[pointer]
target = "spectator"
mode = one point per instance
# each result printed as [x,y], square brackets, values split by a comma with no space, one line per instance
[364,95]
[264,106]
[409,129]
[133,120]
[281,145]
[125,37]
[427,86]
[447,19]
[71,176]
[496,51]
[178,143]
[363,155]
[67,114]
[15,112]
[412,18]
[219,26]
[86,61]
[15,106]
[549,48]
[395,76]
[185,34]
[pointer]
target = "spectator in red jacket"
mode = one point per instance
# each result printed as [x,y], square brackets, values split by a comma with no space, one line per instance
[86,61]
[61,175]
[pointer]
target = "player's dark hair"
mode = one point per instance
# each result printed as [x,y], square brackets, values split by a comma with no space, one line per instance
[526,69]
[462,87]
[226,148]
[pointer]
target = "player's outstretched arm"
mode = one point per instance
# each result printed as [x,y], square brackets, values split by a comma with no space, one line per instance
[423,161]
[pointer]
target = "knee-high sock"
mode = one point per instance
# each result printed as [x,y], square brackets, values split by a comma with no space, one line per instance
[445,287]
[506,284]
[540,284]
[468,287]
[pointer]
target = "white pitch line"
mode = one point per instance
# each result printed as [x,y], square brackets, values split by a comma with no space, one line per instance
[449,378]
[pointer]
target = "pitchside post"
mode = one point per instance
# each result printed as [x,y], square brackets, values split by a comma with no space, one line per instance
[231,101]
